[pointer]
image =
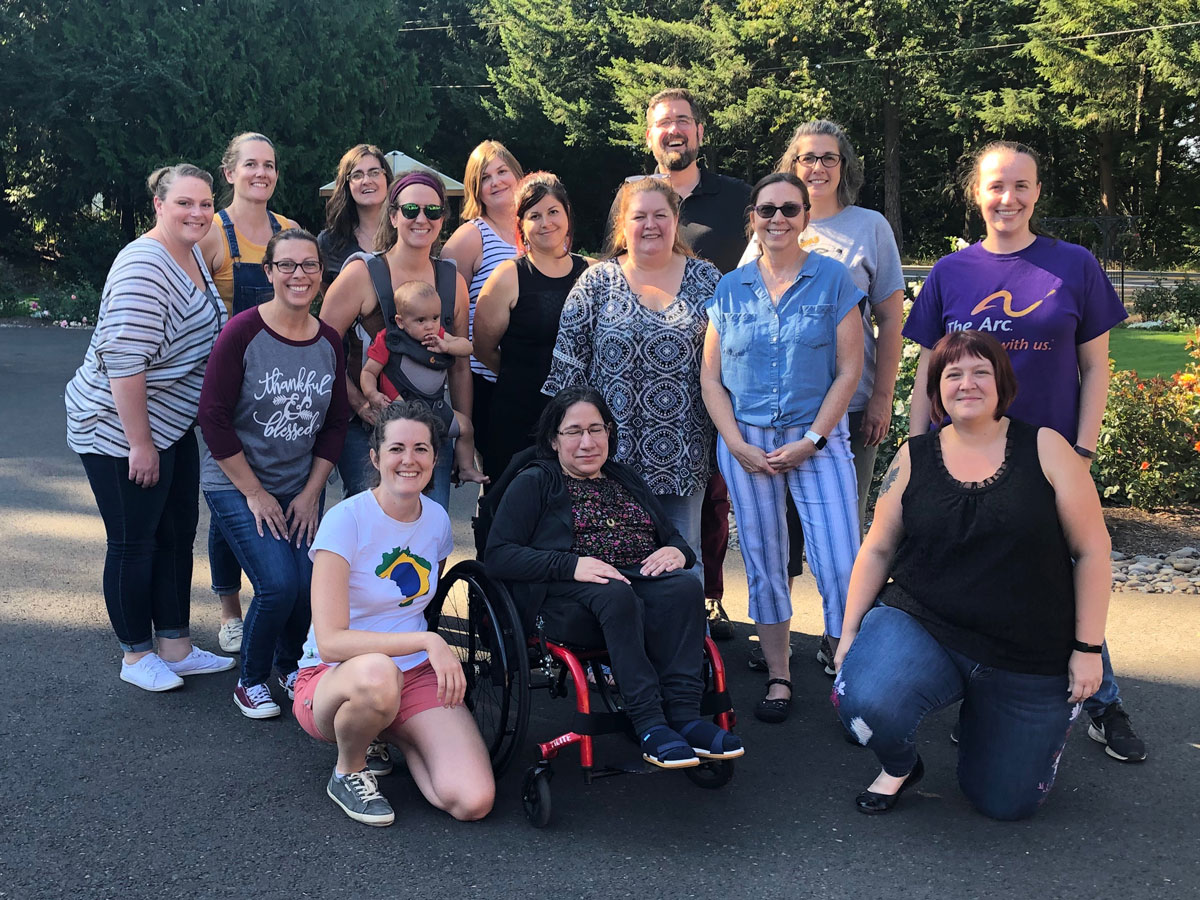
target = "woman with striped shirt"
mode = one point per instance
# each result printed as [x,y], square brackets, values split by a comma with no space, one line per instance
[131,408]
[486,238]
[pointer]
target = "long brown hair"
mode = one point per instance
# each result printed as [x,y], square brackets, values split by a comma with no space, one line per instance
[619,243]
[341,212]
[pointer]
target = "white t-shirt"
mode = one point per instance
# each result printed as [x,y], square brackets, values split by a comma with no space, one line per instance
[393,567]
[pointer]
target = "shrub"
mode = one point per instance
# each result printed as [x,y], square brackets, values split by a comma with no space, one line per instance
[1149,450]
[1178,306]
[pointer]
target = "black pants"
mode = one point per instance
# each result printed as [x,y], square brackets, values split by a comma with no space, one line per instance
[148,566]
[654,631]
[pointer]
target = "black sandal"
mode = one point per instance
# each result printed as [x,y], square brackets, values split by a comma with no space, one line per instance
[774,711]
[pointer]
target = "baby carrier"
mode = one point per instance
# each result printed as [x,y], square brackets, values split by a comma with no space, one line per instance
[402,345]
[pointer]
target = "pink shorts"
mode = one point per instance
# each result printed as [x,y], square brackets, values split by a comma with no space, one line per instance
[419,694]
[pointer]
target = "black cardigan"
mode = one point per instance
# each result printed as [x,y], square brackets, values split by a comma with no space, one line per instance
[530,539]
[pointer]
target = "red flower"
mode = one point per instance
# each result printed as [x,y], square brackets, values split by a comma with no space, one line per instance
[1145,465]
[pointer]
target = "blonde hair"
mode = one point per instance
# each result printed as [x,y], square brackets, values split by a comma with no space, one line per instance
[414,290]
[618,242]
[481,157]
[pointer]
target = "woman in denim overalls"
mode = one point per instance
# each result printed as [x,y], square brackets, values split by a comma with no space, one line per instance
[233,251]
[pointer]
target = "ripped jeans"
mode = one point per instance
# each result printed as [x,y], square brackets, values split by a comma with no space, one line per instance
[1012,726]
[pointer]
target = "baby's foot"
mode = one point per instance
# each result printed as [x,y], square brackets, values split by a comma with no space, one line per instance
[473,475]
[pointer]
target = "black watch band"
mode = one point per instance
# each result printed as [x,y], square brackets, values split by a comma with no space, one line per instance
[1086,648]
[1085,452]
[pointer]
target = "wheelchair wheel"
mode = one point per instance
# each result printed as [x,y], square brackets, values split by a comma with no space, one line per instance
[712,774]
[535,796]
[475,615]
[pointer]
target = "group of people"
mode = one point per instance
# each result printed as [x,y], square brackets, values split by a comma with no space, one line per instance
[736,345]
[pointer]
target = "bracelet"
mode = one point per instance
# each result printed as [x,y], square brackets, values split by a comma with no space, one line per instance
[1085,452]
[1086,648]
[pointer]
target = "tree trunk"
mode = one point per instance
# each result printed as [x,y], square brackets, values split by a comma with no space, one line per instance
[891,156]
[1108,190]
[128,216]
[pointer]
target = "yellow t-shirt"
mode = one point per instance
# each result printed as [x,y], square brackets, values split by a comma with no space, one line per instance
[248,252]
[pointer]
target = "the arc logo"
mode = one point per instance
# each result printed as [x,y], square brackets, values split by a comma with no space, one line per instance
[1006,301]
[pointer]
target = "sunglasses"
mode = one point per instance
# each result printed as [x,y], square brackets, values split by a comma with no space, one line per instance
[433,211]
[789,210]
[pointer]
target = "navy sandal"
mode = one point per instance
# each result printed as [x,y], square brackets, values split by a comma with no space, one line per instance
[710,741]
[664,747]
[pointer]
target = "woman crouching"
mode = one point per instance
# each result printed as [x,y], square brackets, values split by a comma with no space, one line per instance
[576,529]
[370,668]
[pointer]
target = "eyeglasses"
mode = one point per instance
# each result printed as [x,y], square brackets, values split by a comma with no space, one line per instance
[594,430]
[789,210]
[358,174]
[828,160]
[433,211]
[288,266]
[676,122]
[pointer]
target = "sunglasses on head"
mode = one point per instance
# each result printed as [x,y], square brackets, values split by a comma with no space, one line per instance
[789,210]
[433,211]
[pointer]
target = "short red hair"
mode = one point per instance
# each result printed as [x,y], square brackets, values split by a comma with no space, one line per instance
[953,347]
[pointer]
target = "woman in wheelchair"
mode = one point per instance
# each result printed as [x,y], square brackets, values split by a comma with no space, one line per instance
[370,668]
[580,538]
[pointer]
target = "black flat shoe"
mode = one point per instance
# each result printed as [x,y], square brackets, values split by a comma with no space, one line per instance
[774,711]
[873,804]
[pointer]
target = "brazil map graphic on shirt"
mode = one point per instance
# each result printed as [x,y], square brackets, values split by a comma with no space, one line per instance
[408,571]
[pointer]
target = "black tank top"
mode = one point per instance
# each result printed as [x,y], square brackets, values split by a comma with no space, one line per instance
[985,567]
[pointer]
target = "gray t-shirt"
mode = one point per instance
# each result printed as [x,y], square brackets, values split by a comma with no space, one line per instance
[281,402]
[861,240]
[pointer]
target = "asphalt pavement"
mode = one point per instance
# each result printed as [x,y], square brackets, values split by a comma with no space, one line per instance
[113,792]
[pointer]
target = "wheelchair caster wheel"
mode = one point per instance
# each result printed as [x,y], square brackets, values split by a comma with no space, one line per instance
[711,775]
[535,796]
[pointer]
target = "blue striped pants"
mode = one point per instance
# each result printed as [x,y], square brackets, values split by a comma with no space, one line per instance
[826,496]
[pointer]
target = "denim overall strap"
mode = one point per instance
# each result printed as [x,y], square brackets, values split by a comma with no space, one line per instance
[250,284]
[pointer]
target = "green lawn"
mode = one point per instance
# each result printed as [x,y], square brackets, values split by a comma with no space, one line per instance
[1148,353]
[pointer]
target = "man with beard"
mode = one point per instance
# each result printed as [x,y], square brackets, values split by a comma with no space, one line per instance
[712,219]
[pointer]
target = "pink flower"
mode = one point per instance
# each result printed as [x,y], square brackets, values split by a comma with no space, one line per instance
[73,297]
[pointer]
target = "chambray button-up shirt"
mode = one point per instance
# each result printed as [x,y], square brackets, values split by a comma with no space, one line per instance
[777,362]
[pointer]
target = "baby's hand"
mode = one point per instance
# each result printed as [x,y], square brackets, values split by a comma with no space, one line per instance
[436,343]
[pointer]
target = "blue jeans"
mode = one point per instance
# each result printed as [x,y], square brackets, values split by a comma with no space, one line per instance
[358,474]
[1108,692]
[354,465]
[222,564]
[1012,726]
[281,573]
[684,512]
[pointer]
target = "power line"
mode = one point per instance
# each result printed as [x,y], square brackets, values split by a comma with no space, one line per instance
[1004,46]
[419,27]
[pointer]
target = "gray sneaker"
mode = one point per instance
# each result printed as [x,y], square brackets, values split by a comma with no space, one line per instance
[379,759]
[358,796]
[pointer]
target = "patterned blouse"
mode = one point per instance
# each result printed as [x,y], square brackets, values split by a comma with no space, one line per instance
[646,363]
[609,524]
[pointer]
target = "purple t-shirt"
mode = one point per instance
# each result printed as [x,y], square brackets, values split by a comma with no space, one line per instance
[281,402]
[1041,303]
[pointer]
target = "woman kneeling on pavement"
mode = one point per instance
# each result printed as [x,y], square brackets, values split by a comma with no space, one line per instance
[273,412]
[992,537]
[575,530]
[370,666]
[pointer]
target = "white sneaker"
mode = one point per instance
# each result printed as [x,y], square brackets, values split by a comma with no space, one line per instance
[230,636]
[150,673]
[289,684]
[201,662]
[255,701]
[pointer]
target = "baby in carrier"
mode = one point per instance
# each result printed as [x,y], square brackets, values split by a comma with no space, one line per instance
[411,358]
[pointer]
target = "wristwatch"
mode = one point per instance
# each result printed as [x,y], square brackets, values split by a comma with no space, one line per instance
[1086,648]
[816,439]
[1085,452]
